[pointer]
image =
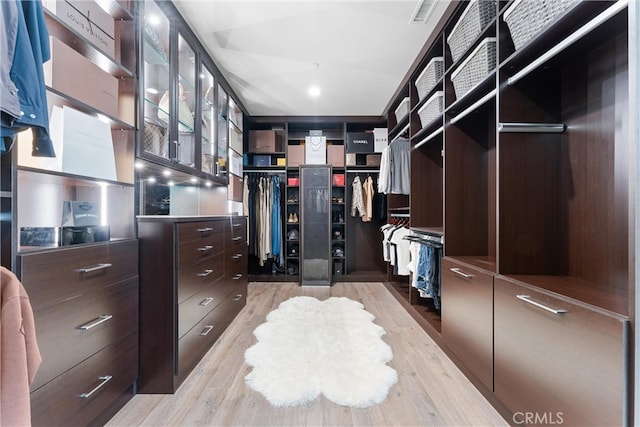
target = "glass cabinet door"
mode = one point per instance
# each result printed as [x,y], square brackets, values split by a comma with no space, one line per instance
[223,132]
[185,144]
[207,89]
[157,80]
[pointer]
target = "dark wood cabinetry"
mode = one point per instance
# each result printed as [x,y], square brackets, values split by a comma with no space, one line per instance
[467,317]
[529,175]
[85,304]
[193,283]
[570,357]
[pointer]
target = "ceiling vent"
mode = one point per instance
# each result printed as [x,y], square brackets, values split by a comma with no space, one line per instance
[422,12]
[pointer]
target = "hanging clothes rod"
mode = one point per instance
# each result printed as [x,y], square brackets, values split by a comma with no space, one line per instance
[400,215]
[265,171]
[364,171]
[474,106]
[402,131]
[531,127]
[429,138]
[425,240]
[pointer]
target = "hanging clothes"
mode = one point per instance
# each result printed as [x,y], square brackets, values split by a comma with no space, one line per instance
[395,166]
[368,193]
[23,99]
[19,353]
[263,194]
[357,201]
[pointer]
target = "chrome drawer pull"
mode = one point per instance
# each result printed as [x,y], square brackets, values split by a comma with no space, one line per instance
[237,256]
[235,239]
[527,298]
[95,322]
[205,273]
[206,330]
[205,248]
[94,268]
[461,273]
[105,379]
[238,297]
[237,276]
[237,225]
[206,301]
[204,230]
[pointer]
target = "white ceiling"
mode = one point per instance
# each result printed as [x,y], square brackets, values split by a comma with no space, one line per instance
[271,52]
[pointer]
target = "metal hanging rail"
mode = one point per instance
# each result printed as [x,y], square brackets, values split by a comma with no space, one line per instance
[531,127]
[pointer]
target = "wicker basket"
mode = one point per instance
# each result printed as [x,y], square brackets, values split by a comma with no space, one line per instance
[475,68]
[429,77]
[431,109]
[526,18]
[402,110]
[477,15]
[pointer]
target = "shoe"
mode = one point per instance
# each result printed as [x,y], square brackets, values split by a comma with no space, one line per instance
[295,217]
[290,218]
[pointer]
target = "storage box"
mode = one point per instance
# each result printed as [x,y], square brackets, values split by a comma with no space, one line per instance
[315,150]
[335,155]
[265,141]
[295,155]
[87,234]
[526,19]
[380,139]
[475,68]
[477,15]
[281,161]
[429,77]
[95,87]
[373,159]
[234,192]
[359,142]
[262,160]
[402,110]
[88,19]
[39,236]
[351,159]
[293,182]
[431,109]
[338,179]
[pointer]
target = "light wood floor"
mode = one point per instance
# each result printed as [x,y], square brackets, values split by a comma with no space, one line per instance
[430,390]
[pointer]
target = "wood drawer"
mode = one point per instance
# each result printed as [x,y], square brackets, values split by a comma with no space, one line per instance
[193,345]
[54,276]
[467,317]
[72,331]
[237,263]
[59,403]
[188,231]
[239,228]
[193,279]
[193,309]
[196,251]
[572,363]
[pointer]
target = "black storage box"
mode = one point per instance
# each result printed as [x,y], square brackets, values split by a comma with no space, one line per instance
[359,142]
[86,234]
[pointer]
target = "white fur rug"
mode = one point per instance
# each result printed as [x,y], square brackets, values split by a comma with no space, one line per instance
[308,347]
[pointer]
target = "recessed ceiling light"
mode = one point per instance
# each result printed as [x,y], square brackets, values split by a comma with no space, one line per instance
[314,91]
[166,172]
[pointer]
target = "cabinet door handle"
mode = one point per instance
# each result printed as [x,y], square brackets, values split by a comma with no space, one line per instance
[95,322]
[205,273]
[238,297]
[205,248]
[527,299]
[206,330]
[104,379]
[237,225]
[204,230]
[461,273]
[235,239]
[206,301]
[237,276]
[94,268]
[237,256]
